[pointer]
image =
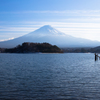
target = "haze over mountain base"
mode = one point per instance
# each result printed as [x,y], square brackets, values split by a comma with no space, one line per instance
[50,35]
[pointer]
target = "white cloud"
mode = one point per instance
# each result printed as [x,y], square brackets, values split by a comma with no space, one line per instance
[61,13]
[17,29]
[7,39]
[57,11]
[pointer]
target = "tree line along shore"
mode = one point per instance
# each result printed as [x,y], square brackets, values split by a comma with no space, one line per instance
[28,47]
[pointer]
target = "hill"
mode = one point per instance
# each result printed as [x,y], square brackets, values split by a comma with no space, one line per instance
[96,49]
[28,47]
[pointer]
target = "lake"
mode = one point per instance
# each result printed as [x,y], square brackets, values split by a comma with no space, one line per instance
[67,76]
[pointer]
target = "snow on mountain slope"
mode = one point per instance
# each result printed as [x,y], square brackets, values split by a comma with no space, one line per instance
[45,30]
[52,36]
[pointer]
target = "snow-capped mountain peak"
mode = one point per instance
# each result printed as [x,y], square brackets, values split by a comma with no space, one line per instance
[50,35]
[46,30]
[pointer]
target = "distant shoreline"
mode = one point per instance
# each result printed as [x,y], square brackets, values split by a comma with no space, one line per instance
[28,47]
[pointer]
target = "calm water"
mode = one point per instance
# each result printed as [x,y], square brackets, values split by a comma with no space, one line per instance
[67,76]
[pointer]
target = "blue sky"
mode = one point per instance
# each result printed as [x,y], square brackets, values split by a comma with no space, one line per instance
[79,18]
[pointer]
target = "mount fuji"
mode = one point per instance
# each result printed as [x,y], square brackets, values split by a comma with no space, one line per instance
[50,35]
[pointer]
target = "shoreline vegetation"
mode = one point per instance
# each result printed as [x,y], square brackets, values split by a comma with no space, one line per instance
[82,50]
[29,47]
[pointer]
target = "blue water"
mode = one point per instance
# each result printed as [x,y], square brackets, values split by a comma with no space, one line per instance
[70,76]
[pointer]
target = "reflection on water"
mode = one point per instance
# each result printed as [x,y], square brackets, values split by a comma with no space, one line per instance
[49,76]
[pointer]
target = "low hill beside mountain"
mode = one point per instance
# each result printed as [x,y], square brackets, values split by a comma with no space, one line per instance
[96,49]
[28,47]
[82,50]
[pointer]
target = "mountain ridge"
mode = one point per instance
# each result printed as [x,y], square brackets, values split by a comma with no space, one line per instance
[50,35]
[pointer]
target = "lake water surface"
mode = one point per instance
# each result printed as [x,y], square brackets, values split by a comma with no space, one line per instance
[68,76]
